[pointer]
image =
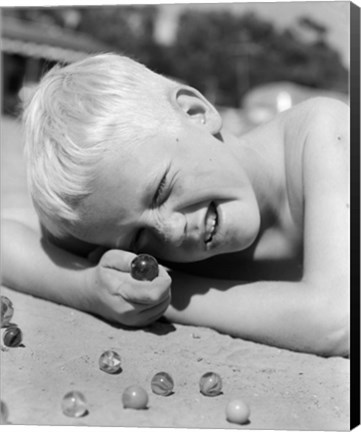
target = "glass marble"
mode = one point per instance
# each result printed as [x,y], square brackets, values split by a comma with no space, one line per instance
[162,384]
[237,411]
[144,267]
[7,311]
[210,384]
[110,362]
[135,397]
[74,404]
[4,413]
[13,337]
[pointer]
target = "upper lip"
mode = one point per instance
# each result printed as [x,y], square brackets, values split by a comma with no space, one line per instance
[210,223]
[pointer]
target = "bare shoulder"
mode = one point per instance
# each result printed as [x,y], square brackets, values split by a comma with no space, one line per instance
[321,114]
[327,143]
[316,139]
[321,120]
[326,188]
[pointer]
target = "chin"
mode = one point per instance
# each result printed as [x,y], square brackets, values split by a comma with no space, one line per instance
[247,243]
[238,243]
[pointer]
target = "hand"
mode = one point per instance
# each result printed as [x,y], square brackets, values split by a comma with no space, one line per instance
[116,296]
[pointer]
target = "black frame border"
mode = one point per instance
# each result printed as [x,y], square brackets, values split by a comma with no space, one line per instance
[355,214]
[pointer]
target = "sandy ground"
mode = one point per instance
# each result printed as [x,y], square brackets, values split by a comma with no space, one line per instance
[61,348]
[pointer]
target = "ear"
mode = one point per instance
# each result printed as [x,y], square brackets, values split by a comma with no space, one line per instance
[197,108]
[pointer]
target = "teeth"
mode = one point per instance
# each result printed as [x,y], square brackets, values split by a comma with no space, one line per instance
[211,223]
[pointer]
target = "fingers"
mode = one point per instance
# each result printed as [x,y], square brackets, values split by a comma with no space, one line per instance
[117,264]
[149,292]
[117,259]
[150,314]
[149,296]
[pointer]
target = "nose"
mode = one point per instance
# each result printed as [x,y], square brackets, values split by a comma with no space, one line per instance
[172,228]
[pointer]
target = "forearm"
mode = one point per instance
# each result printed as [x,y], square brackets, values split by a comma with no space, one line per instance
[284,314]
[38,268]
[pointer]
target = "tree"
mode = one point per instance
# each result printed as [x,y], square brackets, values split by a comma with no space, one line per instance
[126,29]
[233,53]
[220,53]
[317,28]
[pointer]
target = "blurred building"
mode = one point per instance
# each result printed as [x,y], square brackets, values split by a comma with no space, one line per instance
[264,102]
[30,48]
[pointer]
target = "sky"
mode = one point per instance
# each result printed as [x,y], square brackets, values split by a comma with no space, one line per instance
[333,14]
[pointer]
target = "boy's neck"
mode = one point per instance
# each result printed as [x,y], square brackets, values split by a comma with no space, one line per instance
[262,164]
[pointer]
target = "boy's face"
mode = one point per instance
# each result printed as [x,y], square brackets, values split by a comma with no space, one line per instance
[181,196]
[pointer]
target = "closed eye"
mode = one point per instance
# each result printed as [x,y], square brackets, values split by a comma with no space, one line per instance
[157,199]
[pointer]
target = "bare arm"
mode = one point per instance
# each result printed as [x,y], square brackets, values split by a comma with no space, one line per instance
[311,315]
[35,265]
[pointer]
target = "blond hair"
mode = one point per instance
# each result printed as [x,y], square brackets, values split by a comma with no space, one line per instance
[75,114]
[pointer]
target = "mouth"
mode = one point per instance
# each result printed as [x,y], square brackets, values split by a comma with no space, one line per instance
[210,223]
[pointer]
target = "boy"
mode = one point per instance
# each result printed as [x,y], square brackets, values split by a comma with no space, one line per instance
[253,231]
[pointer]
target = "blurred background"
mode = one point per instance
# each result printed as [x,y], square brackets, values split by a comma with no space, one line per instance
[251,60]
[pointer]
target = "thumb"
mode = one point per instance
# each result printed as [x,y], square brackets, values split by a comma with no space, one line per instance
[118,260]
